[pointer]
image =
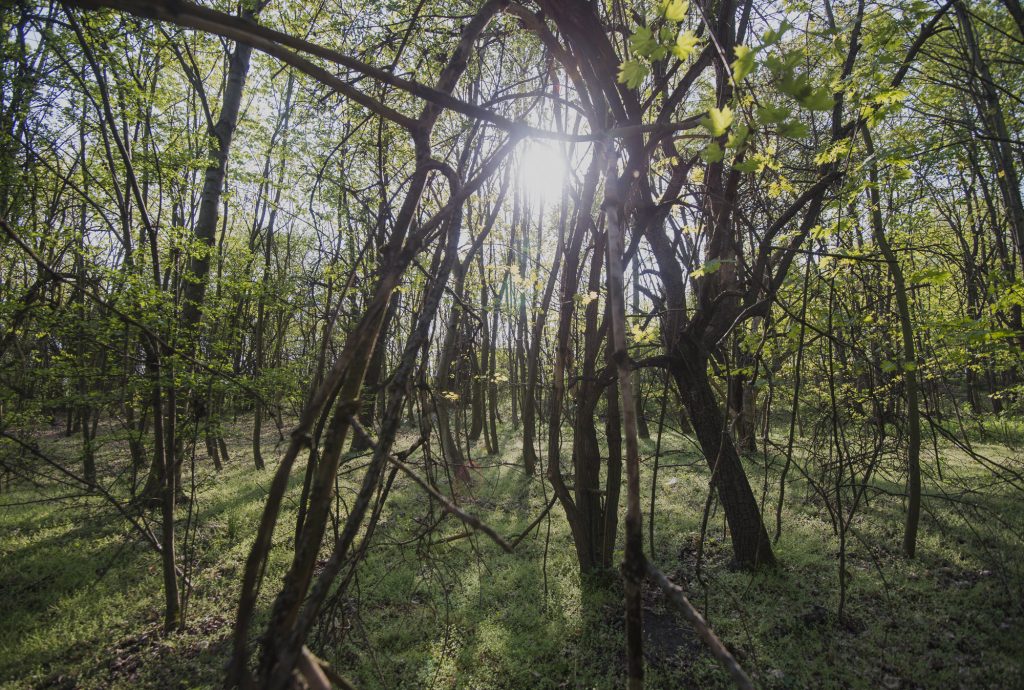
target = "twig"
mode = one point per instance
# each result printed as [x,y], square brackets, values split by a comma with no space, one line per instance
[95,489]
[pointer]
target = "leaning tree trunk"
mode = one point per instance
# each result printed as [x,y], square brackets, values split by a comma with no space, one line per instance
[751,546]
[374,377]
[445,393]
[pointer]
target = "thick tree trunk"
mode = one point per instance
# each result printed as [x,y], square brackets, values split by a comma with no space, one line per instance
[590,537]
[751,547]
[742,412]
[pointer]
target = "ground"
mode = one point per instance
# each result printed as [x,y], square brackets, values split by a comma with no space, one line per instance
[80,594]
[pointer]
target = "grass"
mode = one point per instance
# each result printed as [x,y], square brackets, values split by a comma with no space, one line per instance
[80,595]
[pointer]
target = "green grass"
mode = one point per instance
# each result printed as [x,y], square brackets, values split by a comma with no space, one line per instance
[80,595]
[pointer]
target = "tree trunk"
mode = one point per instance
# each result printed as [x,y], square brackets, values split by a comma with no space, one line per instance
[751,547]
[533,362]
[909,359]
[374,377]
[990,111]
[633,562]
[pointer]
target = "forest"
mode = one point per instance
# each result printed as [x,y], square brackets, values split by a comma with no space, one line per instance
[511,344]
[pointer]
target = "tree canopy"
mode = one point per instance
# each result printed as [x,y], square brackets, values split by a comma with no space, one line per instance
[410,237]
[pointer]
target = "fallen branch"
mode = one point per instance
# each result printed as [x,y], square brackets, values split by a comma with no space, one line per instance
[551,504]
[675,594]
[449,507]
[327,670]
[95,489]
[315,677]
[471,520]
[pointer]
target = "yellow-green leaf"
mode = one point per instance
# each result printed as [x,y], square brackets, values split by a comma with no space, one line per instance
[685,43]
[675,10]
[712,153]
[632,73]
[717,121]
[772,114]
[708,268]
[818,99]
[643,41]
[743,64]
[738,137]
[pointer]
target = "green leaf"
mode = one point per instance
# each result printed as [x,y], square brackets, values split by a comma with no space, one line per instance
[794,129]
[935,276]
[643,41]
[891,97]
[748,166]
[772,36]
[818,99]
[833,152]
[685,43]
[780,65]
[738,137]
[744,63]
[675,10]
[632,73]
[796,86]
[772,114]
[994,335]
[712,153]
[717,121]
[708,268]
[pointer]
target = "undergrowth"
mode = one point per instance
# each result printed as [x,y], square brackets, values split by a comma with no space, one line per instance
[80,594]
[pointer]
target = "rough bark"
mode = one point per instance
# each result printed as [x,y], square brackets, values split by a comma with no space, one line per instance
[751,547]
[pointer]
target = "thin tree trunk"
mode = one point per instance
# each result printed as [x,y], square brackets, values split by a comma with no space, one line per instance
[533,361]
[641,417]
[633,565]
[909,358]
[259,336]
[990,112]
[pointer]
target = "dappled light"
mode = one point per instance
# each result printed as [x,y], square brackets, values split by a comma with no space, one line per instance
[492,344]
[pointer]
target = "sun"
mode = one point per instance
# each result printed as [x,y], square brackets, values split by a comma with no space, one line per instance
[542,173]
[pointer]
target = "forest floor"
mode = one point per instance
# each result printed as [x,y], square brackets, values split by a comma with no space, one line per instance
[80,594]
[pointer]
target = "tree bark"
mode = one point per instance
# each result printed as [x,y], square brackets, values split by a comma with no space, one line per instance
[909,358]
[751,547]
